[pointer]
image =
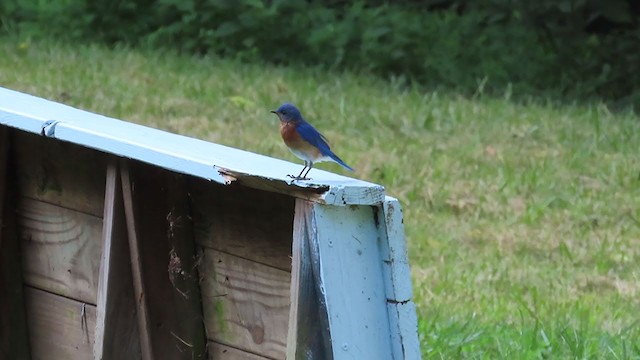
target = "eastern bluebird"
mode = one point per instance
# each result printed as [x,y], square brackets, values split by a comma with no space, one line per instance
[304,140]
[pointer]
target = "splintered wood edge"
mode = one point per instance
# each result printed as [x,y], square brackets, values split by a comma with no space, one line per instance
[322,193]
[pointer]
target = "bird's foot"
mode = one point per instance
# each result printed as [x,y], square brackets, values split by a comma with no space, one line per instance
[298,177]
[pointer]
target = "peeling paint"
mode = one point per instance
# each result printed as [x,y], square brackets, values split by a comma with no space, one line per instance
[226,175]
[48,129]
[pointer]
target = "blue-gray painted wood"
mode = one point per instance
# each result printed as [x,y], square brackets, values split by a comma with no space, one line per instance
[397,276]
[364,280]
[178,153]
[351,279]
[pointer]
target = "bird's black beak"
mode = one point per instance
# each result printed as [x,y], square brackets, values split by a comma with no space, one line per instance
[275,112]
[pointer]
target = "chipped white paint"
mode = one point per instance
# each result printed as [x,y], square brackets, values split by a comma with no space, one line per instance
[177,153]
[397,276]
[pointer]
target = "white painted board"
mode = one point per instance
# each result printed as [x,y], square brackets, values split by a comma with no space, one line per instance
[175,152]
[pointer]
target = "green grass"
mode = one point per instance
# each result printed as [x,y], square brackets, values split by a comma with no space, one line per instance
[523,219]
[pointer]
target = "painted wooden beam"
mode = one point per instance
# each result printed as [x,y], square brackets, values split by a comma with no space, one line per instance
[355,257]
[116,334]
[344,243]
[14,340]
[397,276]
[181,154]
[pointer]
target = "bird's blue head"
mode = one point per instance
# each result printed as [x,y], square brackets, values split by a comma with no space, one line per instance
[287,112]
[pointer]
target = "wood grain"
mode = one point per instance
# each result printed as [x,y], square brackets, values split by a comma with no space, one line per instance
[57,327]
[137,268]
[60,249]
[246,304]
[60,173]
[163,262]
[309,336]
[14,340]
[249,223]
[223,352]
[117,335]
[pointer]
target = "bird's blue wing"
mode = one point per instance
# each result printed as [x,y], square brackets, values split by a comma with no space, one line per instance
[313,137]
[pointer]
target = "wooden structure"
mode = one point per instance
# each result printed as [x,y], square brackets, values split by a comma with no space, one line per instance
[119,241]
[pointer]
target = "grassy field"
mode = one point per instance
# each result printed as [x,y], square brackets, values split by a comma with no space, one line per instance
[523,220]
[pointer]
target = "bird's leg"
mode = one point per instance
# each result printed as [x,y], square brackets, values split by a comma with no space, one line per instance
[300,177]
[307,166]
[304,177]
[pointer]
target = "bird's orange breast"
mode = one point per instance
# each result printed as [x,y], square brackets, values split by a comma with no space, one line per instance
[297,144]
[289,133]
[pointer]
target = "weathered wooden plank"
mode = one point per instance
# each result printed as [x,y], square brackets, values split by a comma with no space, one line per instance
[14,341]
[252,224]
[309,336]
[163,254]
[60,249]
[60,173]
[397,275]
[116,334]
[394,250]
[142,311]
[351,276]
[318,189]
[59,328]
[246,304]
[219,351]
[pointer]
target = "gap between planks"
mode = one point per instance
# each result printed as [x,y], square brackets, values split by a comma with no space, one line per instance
[243,258]
[246,304]
[29,286]
[60,249]
[60,328]
[62,206]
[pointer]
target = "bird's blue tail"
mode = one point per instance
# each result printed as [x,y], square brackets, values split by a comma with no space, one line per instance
[339,161]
